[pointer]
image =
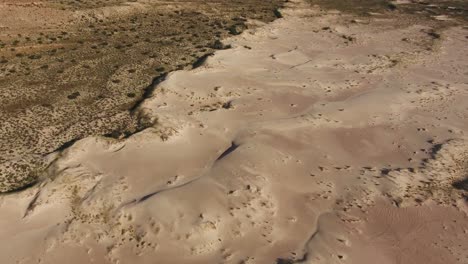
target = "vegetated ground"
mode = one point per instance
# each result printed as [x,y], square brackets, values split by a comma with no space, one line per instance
[69,69]
[455,9]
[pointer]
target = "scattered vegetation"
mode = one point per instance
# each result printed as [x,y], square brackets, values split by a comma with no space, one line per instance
[457,9]
[82,77]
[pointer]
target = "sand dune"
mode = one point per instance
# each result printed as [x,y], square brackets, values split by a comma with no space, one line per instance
[312,140]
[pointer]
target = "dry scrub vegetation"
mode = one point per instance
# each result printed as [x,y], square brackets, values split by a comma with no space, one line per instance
[73,68]
[456,9]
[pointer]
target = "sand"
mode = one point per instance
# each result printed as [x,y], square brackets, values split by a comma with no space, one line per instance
[315,139]
[73,69]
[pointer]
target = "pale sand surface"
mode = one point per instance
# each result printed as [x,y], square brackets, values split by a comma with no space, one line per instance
[298,145]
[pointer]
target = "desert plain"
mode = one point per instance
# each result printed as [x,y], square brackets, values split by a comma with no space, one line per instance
[318,132]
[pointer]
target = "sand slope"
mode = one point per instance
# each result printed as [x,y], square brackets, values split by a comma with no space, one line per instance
[313,140]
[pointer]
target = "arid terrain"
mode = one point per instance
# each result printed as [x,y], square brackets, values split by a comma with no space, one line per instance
[71,69]
[320,132]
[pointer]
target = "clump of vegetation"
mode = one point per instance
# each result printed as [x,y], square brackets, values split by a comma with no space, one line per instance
[237,29]
[73,95]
